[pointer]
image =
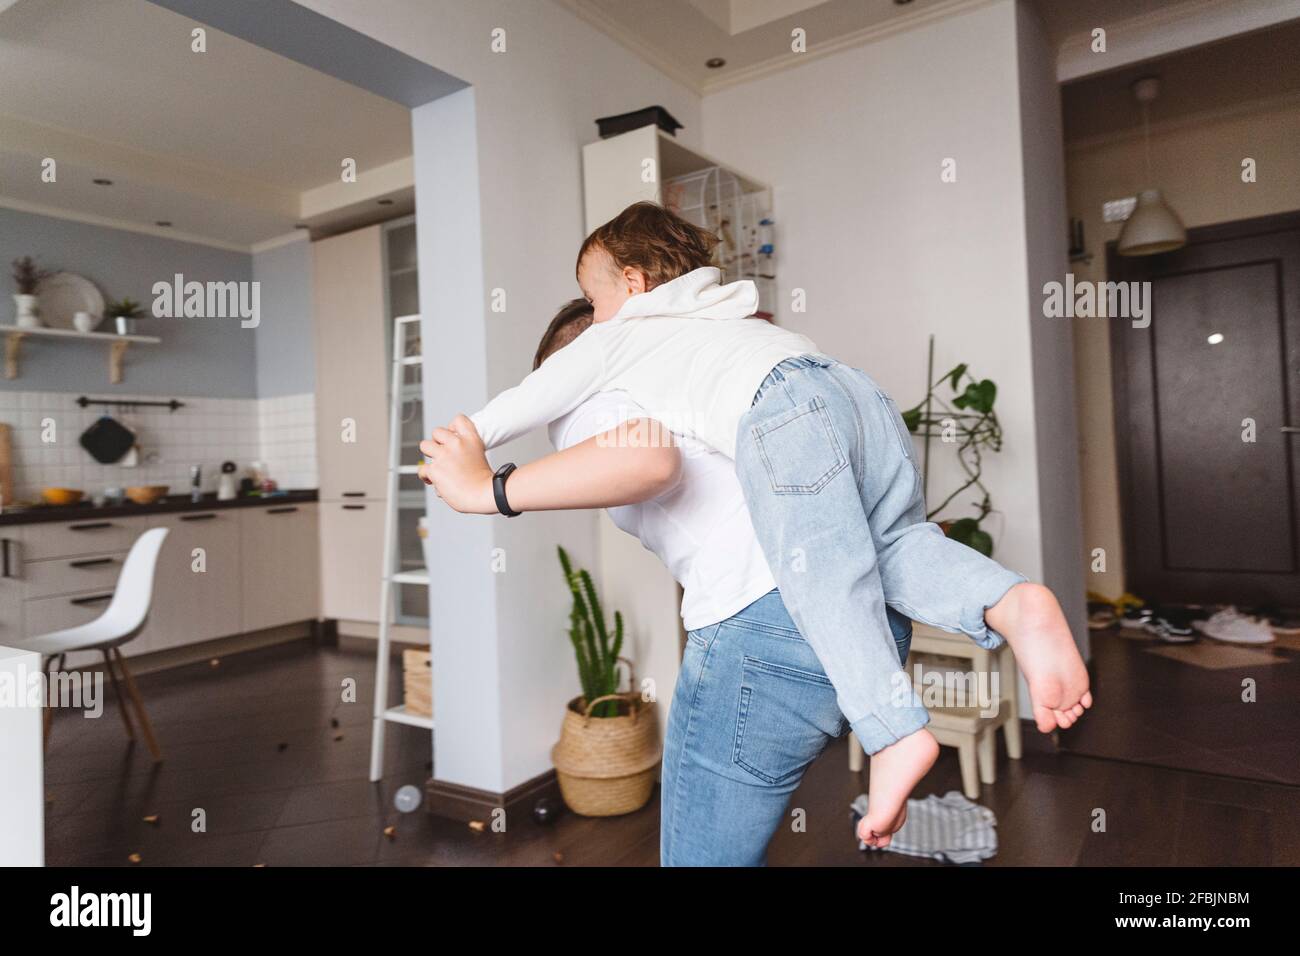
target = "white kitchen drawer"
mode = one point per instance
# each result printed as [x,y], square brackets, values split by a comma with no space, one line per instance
[43,615]
[71,575]
[90,536]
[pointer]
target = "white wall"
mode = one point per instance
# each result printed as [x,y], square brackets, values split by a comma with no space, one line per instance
[887,253]
[502,636]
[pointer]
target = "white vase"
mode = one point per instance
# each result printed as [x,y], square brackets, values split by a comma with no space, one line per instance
[27,317]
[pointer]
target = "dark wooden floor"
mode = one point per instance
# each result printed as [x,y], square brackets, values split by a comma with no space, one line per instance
[252,743]
[1160,710]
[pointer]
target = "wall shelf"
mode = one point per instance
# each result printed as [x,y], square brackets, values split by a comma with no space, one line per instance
[117,345]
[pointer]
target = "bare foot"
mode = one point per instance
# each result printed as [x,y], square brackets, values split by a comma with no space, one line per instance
[1030,618]
[895,772]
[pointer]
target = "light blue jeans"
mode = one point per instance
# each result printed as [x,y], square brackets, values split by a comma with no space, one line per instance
[752,709]
[826,466]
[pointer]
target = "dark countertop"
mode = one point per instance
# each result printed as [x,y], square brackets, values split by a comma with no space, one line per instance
[84,511]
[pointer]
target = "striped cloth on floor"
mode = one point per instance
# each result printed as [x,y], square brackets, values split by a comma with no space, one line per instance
[948,828]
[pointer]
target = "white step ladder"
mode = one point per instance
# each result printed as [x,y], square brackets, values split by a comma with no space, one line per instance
[391,576]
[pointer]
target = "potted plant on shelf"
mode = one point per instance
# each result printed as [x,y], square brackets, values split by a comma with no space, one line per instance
[609,745]
[26,279]
[969,422]
[124,313]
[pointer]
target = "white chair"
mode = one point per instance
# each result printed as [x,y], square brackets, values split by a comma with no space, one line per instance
[121,621]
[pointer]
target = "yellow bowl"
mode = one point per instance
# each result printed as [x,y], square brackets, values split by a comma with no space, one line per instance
[61,496]
[146,494]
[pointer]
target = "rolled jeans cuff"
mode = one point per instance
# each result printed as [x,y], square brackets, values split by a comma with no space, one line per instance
[991,591]
[897,719]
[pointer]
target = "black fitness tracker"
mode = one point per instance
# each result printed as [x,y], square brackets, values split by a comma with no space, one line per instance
[499,489]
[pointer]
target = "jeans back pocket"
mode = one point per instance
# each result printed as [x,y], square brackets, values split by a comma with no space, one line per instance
[784,719]
[799,448]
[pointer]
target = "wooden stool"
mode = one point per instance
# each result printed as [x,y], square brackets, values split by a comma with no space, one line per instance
[971,730]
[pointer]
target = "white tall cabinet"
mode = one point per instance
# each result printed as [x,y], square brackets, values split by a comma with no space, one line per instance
[361,280]
[351,419]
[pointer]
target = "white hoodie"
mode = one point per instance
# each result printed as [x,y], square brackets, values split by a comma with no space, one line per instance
[686,351]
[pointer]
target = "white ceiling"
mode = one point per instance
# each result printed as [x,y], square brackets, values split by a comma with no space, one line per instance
[753,36]
[679,36]
[222,143]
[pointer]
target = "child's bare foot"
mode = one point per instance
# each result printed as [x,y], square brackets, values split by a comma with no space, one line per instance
[1030,618]
[895,772]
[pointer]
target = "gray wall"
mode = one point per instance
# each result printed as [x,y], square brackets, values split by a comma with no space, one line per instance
[286,363]
[200,357]
[1051,340]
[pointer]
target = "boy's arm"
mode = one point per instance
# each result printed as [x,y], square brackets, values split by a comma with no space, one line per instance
[561,383]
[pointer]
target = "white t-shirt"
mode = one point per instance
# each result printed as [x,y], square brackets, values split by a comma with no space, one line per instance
[686,351]
[699,529]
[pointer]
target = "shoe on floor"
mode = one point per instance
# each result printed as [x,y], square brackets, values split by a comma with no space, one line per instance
[1233,627]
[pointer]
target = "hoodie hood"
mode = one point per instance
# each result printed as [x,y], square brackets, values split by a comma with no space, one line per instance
[696,295]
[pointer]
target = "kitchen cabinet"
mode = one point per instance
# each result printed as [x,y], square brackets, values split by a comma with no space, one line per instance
[279,565]
[195,605]
[351,547]
[260,569]
[351,365]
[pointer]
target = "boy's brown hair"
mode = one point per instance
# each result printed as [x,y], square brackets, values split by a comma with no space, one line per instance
[655,241]
[572,320]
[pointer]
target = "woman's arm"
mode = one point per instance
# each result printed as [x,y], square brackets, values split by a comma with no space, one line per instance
[629,464]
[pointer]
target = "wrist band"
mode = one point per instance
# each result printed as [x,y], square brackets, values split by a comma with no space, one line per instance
[499,489]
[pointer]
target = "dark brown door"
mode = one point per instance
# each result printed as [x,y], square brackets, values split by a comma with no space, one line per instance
[1211,516]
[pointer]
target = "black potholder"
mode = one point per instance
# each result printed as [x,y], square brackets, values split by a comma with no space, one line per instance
[107,440]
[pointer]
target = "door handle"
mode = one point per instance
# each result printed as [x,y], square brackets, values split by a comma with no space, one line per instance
[89,562]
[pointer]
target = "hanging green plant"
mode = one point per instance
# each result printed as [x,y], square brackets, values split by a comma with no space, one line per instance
[958,409]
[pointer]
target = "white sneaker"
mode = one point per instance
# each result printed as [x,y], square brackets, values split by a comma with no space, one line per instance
[1232,626]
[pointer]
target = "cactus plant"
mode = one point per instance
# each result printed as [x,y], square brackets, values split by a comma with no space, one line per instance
[596,651]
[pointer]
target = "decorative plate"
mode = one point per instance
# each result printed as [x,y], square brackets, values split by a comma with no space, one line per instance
[63,295]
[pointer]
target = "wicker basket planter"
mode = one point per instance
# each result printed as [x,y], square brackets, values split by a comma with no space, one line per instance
[606,765]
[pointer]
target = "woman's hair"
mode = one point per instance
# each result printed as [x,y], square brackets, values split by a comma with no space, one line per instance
[572,320]
[655,241]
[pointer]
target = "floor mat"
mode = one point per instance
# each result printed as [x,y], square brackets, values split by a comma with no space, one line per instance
[1217,656]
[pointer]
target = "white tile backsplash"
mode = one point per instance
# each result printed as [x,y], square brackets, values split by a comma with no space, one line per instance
[279,431]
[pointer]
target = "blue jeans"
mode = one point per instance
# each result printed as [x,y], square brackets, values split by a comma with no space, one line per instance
[828,472]
[752,709]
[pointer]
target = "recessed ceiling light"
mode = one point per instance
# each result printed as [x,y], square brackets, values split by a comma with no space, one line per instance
[102,182]
[715,62]
[163,222]
[1215,338]
[385,202]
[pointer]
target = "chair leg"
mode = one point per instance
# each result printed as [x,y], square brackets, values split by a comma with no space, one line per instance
[134,692]
[856,754]
[967,759]
[117,689]
[987,752]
